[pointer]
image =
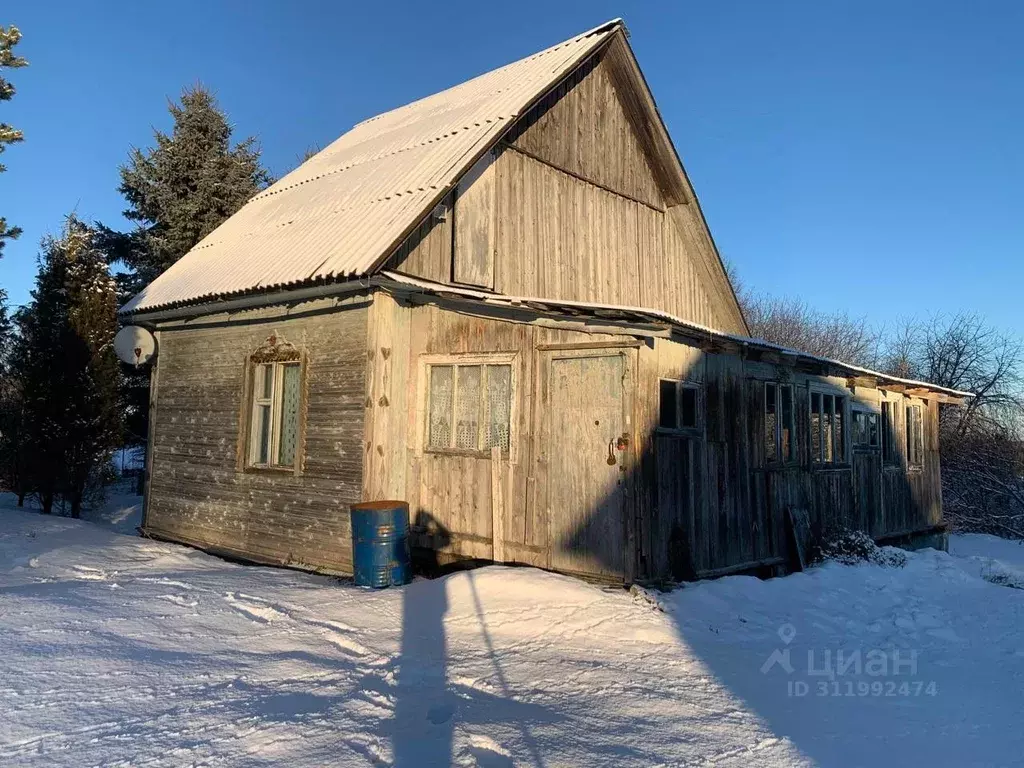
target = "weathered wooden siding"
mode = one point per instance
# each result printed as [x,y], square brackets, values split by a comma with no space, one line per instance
[427,252]
[695,504]
[451,495]
[572,208]
[712,502]
[582,128]
[562,238]
[198,494]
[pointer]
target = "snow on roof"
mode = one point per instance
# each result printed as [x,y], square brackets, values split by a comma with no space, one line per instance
[345,209]
[644,315]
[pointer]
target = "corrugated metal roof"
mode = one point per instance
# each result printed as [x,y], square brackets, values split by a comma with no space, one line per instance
[642,316]
[342,211]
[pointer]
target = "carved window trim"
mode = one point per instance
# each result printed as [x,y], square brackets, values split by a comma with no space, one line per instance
[274,355]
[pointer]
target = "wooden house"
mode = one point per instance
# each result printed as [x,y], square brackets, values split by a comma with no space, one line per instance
[503,305]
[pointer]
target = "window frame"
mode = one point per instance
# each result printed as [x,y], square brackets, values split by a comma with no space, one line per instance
[794,447]
[276,360]
[682,385]
[914,432]
[496,359]
[890,438]
[819,462]
[857,410]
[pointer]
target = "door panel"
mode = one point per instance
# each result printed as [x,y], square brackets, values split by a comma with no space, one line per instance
[586,420]
[867,485]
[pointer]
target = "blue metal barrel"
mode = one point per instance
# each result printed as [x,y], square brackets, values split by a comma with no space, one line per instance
[380,544]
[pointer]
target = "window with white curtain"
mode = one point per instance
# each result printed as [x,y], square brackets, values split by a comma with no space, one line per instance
[276,403]
[469,407]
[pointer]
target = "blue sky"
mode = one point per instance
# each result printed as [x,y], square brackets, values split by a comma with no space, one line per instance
[865,156]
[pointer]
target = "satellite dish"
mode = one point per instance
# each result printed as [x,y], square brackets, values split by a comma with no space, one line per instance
[134,345]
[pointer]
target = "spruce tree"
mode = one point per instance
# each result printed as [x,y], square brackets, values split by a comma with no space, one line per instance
[6,334]
[9,37]
[13,458]
[68,373]
[181,189]
[178,191]
[9,402]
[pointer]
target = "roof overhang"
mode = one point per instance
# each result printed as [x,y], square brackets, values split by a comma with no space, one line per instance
[588,317]
[644,322]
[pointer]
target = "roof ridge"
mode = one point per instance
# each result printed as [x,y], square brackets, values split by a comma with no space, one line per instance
[617,21]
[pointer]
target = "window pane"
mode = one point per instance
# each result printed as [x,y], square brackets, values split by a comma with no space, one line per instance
[910,435]
[688,412]
[440,426]
[827,408]
[467,408]
[873,430]
[499,406]
[788,449]
[887,438]
[262,434]
[915,427]
[815,426]
[919,432]
[289,414]
[838,430]
[859,428]
[770,423]
[266,382]
[667,407]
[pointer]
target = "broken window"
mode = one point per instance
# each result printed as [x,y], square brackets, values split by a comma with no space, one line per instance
[865,429]
[779,426]
[274,426]
[771,423]
[888,427]
[677,405]
[469,407]
[915,436]
[827,427]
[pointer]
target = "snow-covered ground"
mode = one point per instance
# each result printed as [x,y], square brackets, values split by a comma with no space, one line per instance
[117,650]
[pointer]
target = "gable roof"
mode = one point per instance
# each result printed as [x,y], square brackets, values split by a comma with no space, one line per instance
[340,213]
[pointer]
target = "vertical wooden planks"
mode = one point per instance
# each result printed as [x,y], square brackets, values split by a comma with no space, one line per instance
[387,376]
[586,500]
[475,217]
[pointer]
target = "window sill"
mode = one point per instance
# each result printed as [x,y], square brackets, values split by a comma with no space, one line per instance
[270,471]
[831,467]
[778,466]
[441,453]
[684,432]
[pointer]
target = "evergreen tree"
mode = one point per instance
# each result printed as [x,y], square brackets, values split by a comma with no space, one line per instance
[9,406]
[178,191]
[9,37]
[6,334]
[12,459]
[67,370]
[183,188]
